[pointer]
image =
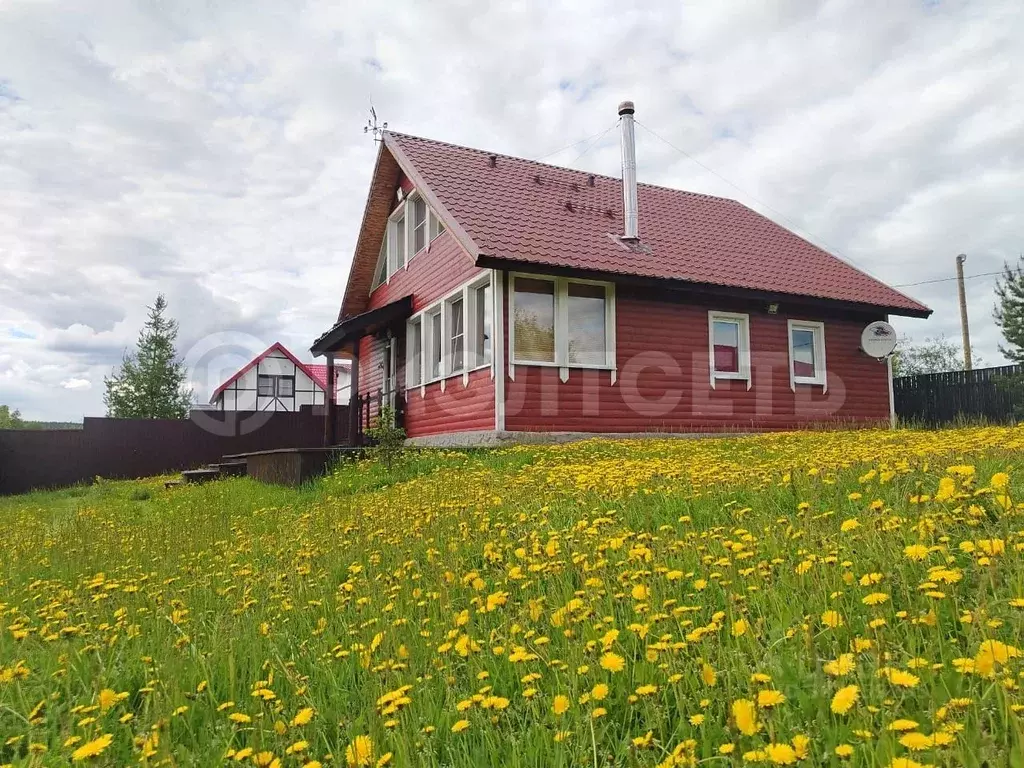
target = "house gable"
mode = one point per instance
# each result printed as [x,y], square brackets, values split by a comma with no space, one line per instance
[392,172]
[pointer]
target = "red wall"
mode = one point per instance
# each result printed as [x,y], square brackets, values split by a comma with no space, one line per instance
[663,377]
[428,276]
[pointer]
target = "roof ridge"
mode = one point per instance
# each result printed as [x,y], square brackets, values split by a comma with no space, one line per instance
[676,190]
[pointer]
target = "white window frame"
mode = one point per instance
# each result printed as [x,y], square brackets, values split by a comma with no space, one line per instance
[452,364]
[561,297]
[413,362]
[743,337]
[472,310]
[422,321]
[817,329]
[394,232]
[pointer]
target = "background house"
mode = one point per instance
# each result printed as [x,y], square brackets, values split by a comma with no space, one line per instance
[494,296]
[276,380]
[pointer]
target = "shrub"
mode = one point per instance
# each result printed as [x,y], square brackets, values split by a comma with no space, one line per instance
[387,438]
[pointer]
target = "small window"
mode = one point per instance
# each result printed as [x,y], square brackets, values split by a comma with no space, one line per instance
[729,342]
[807,352]
[419,225]
[456,335]
[436,349]
[382,265]
[414,347]
[436,225]
[534,320]
[587,333]
[286,386]
[265,386]
[484,310]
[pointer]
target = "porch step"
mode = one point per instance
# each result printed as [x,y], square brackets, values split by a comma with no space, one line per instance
[234,468]
[200,475]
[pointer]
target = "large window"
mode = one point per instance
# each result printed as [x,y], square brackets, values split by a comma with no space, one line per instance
[533,320]
[586,307]
[729,346]
[556,321]
[483,311]
[807,352]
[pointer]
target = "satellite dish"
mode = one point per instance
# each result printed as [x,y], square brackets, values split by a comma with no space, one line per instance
[878,340]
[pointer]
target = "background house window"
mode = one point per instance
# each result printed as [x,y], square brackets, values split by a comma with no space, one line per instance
[275,386]
[419,224]
[456,334]
[729,345]
[807,352]
[434,328]
[587,316]
[414,352]
[484,309]
[534,320]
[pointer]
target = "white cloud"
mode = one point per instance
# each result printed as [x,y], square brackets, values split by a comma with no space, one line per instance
[215,152]
[76,384]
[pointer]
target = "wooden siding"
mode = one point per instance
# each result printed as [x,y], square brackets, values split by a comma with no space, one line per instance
[460,408]
[663,380]
[428,276]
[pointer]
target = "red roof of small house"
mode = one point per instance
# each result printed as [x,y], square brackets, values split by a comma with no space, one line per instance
[275,347]
[507,211]
[318,372]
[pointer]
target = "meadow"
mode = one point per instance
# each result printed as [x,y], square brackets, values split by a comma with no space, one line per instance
[825,598]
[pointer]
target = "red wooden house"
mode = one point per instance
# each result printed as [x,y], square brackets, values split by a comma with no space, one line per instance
[492,296]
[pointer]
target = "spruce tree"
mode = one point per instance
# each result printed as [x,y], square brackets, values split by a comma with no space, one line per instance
[151,383]
[1009,312]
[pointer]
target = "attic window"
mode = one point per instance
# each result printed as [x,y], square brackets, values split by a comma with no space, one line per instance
[411,226]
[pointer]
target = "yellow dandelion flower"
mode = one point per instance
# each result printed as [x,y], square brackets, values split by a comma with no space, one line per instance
[612,662]
[92,748]
[845,699]
[745,715]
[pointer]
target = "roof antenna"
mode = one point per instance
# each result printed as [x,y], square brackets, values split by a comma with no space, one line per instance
[373,127]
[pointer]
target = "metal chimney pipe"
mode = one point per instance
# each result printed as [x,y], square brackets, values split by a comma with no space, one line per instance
[629,206]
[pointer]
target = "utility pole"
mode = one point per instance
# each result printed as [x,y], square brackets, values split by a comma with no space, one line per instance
[965,331]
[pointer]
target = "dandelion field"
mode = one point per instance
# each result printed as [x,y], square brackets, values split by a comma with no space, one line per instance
[825,598]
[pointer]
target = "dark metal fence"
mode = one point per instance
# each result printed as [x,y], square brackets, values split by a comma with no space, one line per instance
[984,394]
[126,448]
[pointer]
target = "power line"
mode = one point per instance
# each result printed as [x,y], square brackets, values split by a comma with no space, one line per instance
[947,279]
[592,145]
[598,135]
[777,212]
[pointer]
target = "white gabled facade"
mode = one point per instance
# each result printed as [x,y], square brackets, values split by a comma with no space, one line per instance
[276,381]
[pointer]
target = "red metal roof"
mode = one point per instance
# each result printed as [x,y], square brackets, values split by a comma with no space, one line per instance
[318,372]
[527,212]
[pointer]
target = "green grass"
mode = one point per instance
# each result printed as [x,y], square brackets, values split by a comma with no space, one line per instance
[492,582]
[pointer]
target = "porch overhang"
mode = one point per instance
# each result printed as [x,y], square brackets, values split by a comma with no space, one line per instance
[354,328]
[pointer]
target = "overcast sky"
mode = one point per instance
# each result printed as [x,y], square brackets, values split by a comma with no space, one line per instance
[214,151]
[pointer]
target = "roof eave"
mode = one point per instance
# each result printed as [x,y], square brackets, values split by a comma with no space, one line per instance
[497,262]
